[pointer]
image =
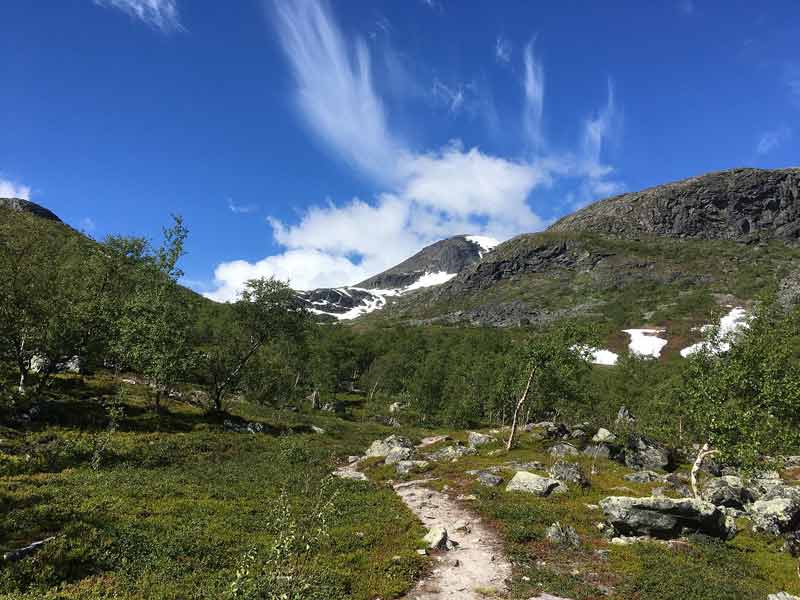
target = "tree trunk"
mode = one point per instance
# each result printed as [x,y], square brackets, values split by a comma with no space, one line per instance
[518,408]
[705,451]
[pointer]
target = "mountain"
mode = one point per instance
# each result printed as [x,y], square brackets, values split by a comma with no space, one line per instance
[663,258]
[26,206]
[431,266]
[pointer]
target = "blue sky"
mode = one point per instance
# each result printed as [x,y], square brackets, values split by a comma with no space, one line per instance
[323,142]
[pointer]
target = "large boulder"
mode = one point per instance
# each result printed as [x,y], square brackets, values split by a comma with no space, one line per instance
[563,449]
[381,448]
[728,490]
[643,454]
[666,517]
[476,439]
[570,472]
[398,454]
[451,453]
[523,481]
[776,515]
[604,436]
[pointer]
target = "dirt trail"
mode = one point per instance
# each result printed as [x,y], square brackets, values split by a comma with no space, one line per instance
[476,568]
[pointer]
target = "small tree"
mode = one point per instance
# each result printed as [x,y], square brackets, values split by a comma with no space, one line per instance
[743,395]
[153,329]
[266,311]
[557,362]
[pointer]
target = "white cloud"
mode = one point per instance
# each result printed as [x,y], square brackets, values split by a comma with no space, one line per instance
[452,98]
[430,195]
[534,97]
[158,14]
[241,208]
[11,189]
[770,140]
[502,50]
[334,88]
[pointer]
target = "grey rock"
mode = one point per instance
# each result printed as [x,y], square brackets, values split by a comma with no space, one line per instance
[775,515]
[782,596]
[643,477]
[436,538]
[563,535]
[643,454]
[598,451]
[569,472]
[397,454]
[727,490]
[405,467]
[665,517]
[535,484]
[476,439]
[381,448]
[450,453]
[624,416]
[489,479]
[603,436]
[563,449]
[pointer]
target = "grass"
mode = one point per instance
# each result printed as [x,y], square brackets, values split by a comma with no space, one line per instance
[170,513]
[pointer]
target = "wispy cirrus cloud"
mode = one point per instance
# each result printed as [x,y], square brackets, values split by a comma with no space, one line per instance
[429,194]
[13,189]
[771,140]
[502,50]
[534,97]
[158,14]
[241,209]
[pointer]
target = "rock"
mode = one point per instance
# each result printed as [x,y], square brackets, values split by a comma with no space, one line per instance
[775,515]
[570,472]
[479,439]
[563,535]
[397,454]
[665,517]
[603,436]
[436,538]
[624,417]
[563,449]
[643,477]
[395,407]
[535,484]
[333,407]
[544,596]
[350,474]
[641,454]
[404,467]
[782,596]
[727,490]
[450,453]
[489,479]
[317,430]
[598,451]
[314,400]
[21,553]
[380,448]
[435,439]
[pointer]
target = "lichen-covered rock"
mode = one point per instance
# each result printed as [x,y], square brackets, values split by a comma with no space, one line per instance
[436,538]
[381,448]
[728,490]
[776,515]
[535,484]
[603,436]
[661,517]
[489,479]
[405,467]
[397,454]
[563,449]
[563,535]
[569,472]
[450,453]
[476,439]
[643,454]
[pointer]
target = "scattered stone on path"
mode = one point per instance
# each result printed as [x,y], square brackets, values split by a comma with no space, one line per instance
[523,481]
[436,538]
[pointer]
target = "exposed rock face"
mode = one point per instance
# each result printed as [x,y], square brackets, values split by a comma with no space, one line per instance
[27,206]
[776,515]
[739,204]
[535,484]
[665,517]
[728,490]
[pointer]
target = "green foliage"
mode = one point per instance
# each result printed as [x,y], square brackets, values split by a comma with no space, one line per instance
[745,402]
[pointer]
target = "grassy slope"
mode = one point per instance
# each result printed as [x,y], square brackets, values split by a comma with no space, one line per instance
[655,281]
[176,503]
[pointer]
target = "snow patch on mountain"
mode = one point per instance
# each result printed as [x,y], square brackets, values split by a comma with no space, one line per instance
[486,243]
[645,343]
[729,327]
[429,279]
[599,356]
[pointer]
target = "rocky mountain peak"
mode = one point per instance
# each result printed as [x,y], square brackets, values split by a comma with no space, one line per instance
[20,205]
[739,204]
